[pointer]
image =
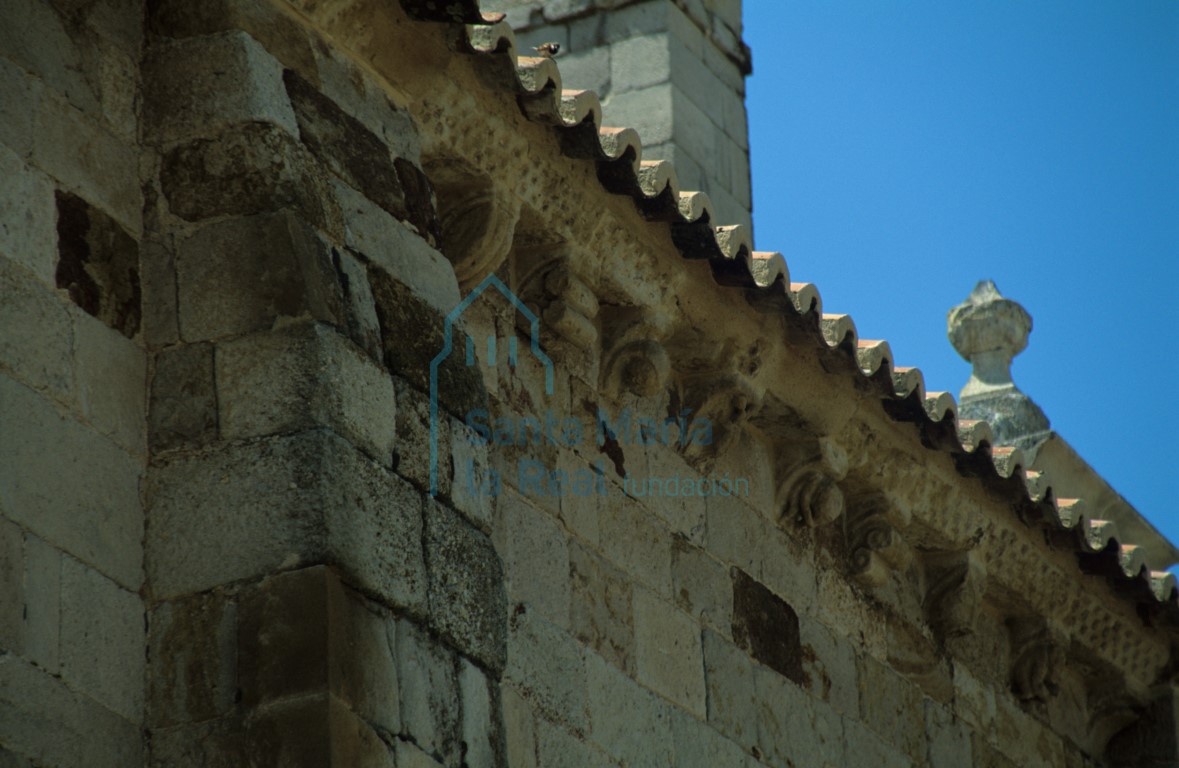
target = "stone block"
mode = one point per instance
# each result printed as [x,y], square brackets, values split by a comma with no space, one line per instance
[281,34]
[558,748]
[98,264]
[192,651]
[626,720]
[27,231]
[467,601]
[427,676]
[582,513]
[414,335]
[313,731]
[974,702]
[20,93]
[701,586]
[637,542]
[397,249]
[470,465]
[547,667]
[111,375]
[360,309]
[734,533]
[89,161]
[102,639]
[248,510]
[412,457]
[241,275]
[668,656]
[42,604]
[587,70]
[43,720]
[870,749]
[693,129]
[536,559]
[246,169]
[891,706]
[38,340]
[948,737]
[35,36]
[684,515]
[157,274]
[697,745]
[69,485]
[182,408]
[829,662]
[639,62]
[303,376]
[12,586]
[766,626]
[786,568]
[601,608]
[481,727]
[728,673]
[634,20]
[647,110]
[519,729]
[198,86]
[409,756]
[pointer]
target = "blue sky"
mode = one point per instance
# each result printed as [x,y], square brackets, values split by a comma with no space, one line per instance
[902,151]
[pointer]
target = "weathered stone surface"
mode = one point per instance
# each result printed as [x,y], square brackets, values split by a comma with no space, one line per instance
[891,706]
[245,169]
[481,724]
[157,272]
[26,214]
[76,150]
[639,544]
[729,677]
[111,375]
[50,724]
[536,558]
[102,637]
[767,627]
[870,749]
[627,721]
[794,728]
[557,748]
[313,731]
[414,336]
[519,729]
[410,756]
[467,601]
[699,746]
[241,275]
[668,656]
[411,459]
[193,660]
[427,676]
[548,668]
[182,410]
[360,309]
[19,95]
[829,662]
[308,498]
[470,465]
[12,591]
[35,37]
[302,376]
[100,521]
[197,86]
[701,586]
[948,739]
[37,344]
[98,264]
[601,613]
[397,249]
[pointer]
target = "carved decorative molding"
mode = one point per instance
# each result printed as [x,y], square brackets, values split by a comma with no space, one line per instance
[874,540]
[564,302]
[724,401]
[1037,658]
[635,360]
[956,582]
[478,220]
[808,492]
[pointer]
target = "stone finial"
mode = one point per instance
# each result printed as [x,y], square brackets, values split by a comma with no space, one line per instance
[989,330]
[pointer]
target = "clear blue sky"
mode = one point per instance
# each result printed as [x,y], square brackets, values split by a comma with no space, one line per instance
[902,151]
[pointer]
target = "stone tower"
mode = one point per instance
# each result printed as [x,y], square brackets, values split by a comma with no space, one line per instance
[672,69]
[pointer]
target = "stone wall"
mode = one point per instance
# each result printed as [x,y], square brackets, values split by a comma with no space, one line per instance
[224,299]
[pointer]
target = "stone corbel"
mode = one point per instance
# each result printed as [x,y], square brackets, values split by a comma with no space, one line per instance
[1037,658]
[874,541]
[808,492]
[635,360]
[478,220]
[956,582]
[566,305]
[724,403]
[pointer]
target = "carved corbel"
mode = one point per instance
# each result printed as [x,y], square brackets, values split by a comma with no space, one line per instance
[478,220]
[808,493]
[719,405]
[956,582]
[1037,658]
[875,542]
[566,305]
[635,360]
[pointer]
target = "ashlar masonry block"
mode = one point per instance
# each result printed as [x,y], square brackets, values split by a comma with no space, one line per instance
[668,655]
[26,215]
[628,721]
